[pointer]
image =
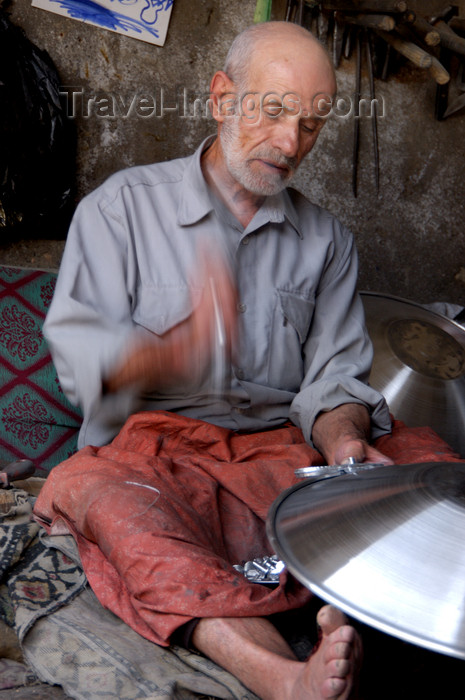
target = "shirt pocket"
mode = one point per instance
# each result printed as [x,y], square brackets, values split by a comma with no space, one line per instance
[291,325]
[297,310]
[159,309]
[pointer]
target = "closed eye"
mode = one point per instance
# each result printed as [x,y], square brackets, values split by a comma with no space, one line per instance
[311,127]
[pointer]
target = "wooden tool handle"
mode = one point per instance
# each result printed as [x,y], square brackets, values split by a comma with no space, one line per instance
[457,24]
[384,22]
[426,30]
[438,72]
[449,39]
[381,6]
[414,53]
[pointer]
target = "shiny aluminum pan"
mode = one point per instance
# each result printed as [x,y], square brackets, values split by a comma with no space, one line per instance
[419,365]
[386,545]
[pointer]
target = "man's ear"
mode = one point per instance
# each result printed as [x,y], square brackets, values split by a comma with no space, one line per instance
[223,96]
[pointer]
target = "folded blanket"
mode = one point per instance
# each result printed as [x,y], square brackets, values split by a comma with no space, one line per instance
[35,578]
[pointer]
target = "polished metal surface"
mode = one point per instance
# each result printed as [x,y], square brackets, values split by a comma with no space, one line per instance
[386,545]
[349,466]
[419,365]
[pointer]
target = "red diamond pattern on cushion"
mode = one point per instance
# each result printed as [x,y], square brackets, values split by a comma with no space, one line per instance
[37,421]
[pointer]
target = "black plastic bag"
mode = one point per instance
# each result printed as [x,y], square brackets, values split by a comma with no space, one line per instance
[37,141]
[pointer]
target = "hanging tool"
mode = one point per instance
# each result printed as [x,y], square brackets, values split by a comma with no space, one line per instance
[449,39]
[387,60]
[299,19]
[426,31]
[442,89]
[457,24]
[439,72]
[413,52]
[295,10]
[349,41]
[323,27]
[361,38]
[356,144]
[374,116]
[380,6]
[459,102]
[385,22]
[289,8]
[339,31]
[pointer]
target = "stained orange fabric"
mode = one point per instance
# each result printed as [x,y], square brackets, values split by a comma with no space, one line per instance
[162,513]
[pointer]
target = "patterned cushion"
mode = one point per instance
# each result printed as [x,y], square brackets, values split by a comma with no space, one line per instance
[37,421]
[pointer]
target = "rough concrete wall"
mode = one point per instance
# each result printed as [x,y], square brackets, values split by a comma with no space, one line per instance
[410,237]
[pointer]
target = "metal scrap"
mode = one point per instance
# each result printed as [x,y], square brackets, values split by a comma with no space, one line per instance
[264,570]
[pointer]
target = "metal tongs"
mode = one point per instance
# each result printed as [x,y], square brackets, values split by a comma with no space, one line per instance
[349,466]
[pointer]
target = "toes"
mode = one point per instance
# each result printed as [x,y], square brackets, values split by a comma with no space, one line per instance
[330,618]
[333,688]
[339,668]
[341,650]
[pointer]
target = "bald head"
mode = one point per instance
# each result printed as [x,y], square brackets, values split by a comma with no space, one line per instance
[274,41]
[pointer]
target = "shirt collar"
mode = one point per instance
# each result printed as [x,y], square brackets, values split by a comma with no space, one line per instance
[196,202]
[276,209]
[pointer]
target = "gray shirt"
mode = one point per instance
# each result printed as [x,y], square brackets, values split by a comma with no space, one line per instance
[127,268]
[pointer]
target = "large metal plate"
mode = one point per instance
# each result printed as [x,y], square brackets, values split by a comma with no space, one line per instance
[419,365]
[384,545]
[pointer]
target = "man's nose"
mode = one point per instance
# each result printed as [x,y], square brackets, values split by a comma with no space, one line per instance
[286,137]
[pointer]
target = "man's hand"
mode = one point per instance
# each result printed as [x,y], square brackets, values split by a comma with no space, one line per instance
[343,433]
[159,362]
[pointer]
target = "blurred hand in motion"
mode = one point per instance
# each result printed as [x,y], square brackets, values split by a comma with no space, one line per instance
[184,351]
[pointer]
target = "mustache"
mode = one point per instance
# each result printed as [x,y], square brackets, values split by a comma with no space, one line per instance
[275,156]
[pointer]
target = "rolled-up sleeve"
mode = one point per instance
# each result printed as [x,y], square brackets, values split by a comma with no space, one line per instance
[338,351]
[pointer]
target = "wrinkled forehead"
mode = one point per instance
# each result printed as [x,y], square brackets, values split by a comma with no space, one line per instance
[301,73]
[304,90]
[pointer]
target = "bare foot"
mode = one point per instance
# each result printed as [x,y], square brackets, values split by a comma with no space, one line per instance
[253,650]
[332,670]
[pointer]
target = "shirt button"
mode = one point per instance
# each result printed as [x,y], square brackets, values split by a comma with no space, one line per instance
[242,308]
[240,373]
[245,241]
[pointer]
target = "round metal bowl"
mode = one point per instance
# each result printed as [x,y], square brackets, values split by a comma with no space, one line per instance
[383,544]
[419,365]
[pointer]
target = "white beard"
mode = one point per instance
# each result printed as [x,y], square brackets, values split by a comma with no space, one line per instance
[265,184]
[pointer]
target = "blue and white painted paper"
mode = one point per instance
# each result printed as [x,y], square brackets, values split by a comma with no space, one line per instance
[146,20]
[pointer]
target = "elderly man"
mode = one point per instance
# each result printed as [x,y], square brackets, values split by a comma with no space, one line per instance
[163,507]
